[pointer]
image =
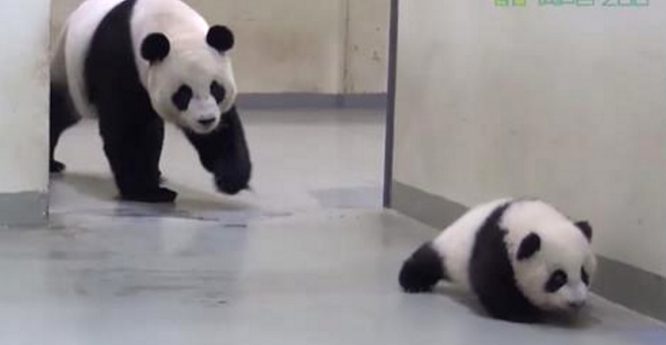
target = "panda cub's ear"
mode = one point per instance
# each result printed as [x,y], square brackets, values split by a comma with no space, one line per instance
[155,47]
[529,246]
[220,38]
[586,228]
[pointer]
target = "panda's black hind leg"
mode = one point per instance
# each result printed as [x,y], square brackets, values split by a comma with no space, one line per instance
[62,116]
[56,167]
[422,271]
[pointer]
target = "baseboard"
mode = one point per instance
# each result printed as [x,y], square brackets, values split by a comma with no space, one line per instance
[311,100]
[23,209]
[632,287]
[427,208]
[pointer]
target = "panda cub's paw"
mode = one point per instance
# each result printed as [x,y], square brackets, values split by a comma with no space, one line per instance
[159,195]
[56,167]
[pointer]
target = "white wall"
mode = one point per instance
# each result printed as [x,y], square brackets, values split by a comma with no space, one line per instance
[24,96]
[299,46]
[568,104]
[366,46]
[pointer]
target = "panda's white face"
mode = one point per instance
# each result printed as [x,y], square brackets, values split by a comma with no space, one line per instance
[192,87]
[556,276]
[192,91]
[551,256]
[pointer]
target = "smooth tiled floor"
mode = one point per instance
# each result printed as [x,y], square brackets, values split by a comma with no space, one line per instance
[307,258]
[303,160]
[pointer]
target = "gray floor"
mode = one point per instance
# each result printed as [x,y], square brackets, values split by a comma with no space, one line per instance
[308,257]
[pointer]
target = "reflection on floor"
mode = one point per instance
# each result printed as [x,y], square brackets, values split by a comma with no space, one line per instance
[303,160]
[308,257]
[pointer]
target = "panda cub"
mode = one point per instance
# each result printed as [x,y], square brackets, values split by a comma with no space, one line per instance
[522,259]
[135,64]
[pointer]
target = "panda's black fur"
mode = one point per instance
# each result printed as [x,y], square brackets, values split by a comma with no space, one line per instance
[492,276]
[131,130]
[487,267]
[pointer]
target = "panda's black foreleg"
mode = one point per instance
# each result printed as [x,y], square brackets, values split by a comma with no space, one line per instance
[492,279]
[61,116]
[506,304]
[133,150]
[225,154]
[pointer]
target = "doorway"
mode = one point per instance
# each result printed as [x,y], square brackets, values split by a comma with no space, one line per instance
[313,100]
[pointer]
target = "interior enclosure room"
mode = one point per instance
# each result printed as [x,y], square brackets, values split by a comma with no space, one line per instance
[372,125]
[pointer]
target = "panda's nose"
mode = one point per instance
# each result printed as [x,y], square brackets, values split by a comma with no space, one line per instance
[575,305]
[207,121]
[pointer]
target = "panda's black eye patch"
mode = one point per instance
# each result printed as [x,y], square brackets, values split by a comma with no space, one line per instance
[217,91]
[556,281]
[584,276]
[181,99]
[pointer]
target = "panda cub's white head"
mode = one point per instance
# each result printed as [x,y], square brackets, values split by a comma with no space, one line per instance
[190,80]
[551,256]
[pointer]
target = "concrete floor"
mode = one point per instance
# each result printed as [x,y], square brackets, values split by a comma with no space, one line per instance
[307,258]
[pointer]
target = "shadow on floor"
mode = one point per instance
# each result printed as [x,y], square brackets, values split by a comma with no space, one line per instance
[100,197]
[582,320]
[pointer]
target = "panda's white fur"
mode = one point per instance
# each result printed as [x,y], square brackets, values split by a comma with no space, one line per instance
[190,60]
[67,67]
[458,238]
[563,246]
[135,64]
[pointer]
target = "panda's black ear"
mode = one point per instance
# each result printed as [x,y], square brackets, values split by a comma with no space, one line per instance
[529,246]
[220,38]
[155,47]
[586,228]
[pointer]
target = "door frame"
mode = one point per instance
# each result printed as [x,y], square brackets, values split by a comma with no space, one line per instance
[390,104]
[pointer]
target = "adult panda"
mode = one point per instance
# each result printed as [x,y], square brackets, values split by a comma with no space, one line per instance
[135,64]
[522,258]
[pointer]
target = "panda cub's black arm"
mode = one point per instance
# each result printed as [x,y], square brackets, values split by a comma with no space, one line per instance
[224,153]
